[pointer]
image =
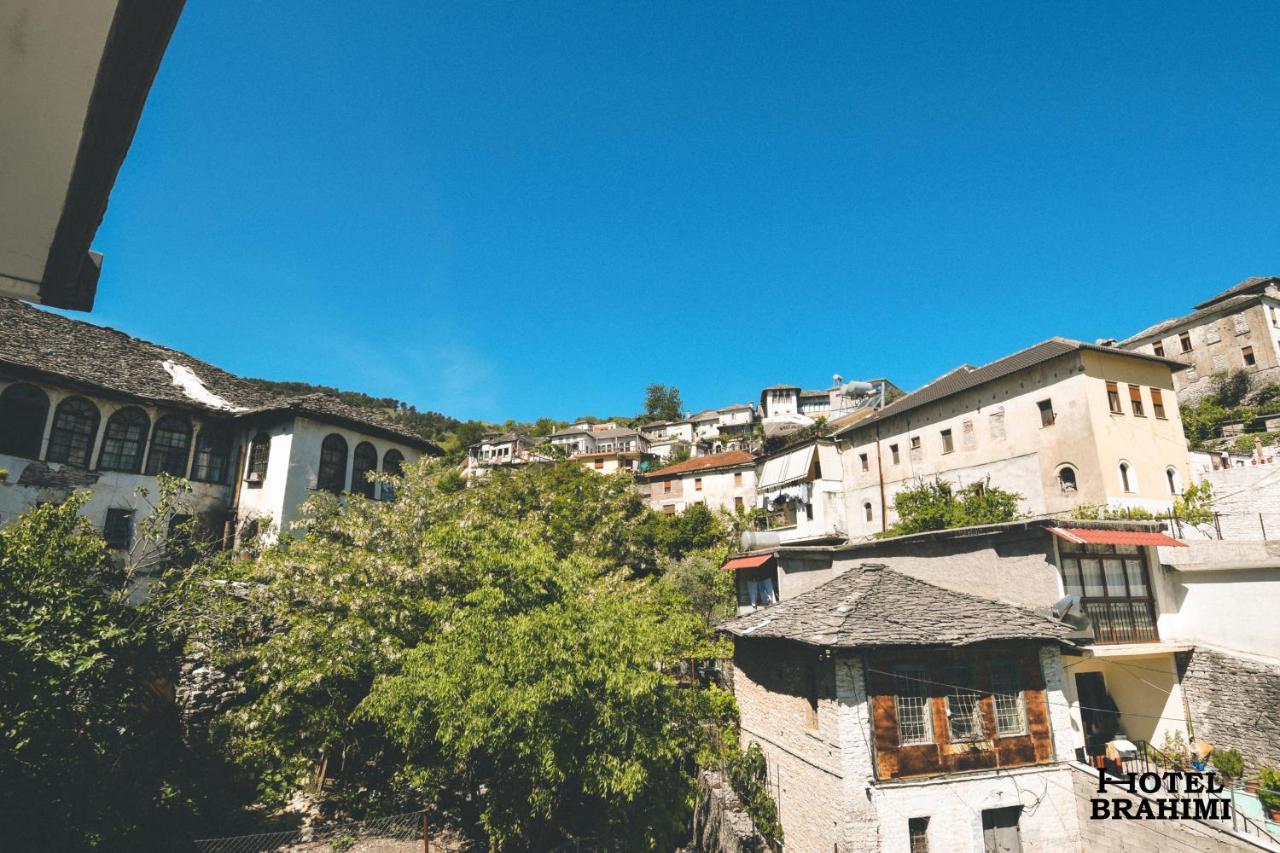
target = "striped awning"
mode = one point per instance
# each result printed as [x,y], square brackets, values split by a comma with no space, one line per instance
[1102,536]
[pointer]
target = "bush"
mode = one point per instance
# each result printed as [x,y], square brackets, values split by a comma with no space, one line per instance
[938,505]
[1269,787]
[1229,763]
[1096,512]
[749,776]
[1231,387]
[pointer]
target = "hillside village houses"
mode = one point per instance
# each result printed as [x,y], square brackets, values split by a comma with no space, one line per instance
[87,407]
[722,481]
[1237,329]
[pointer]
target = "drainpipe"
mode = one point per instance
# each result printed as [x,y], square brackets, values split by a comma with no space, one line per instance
[884,509]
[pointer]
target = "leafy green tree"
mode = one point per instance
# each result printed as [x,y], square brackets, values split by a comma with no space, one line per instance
[1231,387]
[505,652]
[89,747]
[938,505]
[663,403]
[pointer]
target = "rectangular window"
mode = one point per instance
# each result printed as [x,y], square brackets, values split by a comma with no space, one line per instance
[697,484]
[1157,403]
[737,504]
[866,465]
[1135,401]
[1184,338]
[668,509]
[666,486]
[1247,353]
[915,442]
[1114,592]
[1008,698]
[1158,348]
[118,529]
[948,444]
[911,704]
[737,478]
[1047,416]
[964,712]
[1113,398]
[599,463]
[918,832]
[893,451]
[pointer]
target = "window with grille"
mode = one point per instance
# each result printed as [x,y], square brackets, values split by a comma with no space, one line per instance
[75,427]
[1157,403]
[911,704]
[1111,581]
[363,461]
[212,457]
[1135,401]
[118,529]
[332,475]
[23,411]
[1008,699]
[964,711]
[259,456]
[1113,398]
[170,443]
[918,831]
[124,441]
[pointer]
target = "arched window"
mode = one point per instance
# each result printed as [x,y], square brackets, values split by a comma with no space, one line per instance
[1126,477]
[124,441]
[23,410]
[866,509]
[392,463]
[364,460]
[75,427]
[213,456]
[1067,478]
[332,476]
[170,443]
[1175,482]
[259,455]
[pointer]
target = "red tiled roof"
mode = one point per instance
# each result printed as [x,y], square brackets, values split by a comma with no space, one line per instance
[746,562]
[731,459]
[1094,536]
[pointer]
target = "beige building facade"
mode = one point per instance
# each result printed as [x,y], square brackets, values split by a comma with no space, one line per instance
[1062,423]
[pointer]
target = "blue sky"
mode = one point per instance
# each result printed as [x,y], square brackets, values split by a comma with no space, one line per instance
[524,209]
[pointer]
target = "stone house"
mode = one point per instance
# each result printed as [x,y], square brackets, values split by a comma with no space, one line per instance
[504,450]
[1238,329]
[605,448]
[897,715]
[1061,423]
[87,407]
[722,481]
[1152,641]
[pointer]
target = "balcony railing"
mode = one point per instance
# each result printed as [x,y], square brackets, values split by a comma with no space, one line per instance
[1121,620]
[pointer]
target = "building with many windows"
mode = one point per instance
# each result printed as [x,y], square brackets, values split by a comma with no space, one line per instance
[87,407]
[721,481]
[1061,423]
[1238,329]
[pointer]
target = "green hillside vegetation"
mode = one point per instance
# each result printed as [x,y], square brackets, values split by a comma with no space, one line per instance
[1233,398]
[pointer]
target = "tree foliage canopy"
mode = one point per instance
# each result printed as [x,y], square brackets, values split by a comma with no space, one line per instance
[510,653]
[938,505]
[663,403]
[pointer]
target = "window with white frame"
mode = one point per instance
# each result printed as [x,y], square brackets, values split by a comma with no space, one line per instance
[964,710]
[1008,698]
[911,705]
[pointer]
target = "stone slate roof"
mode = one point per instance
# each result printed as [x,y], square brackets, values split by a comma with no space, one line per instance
[1226,306]
[1254,284]
[964,378]
[57,349]
[872,605]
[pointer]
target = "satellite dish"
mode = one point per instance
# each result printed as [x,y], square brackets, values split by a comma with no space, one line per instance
[1068,610]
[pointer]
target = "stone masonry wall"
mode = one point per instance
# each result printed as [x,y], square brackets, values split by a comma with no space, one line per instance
[1233,704]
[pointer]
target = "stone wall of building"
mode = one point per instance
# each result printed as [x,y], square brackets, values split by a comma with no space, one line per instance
[720,824]
[1143,836]
[1233,704]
